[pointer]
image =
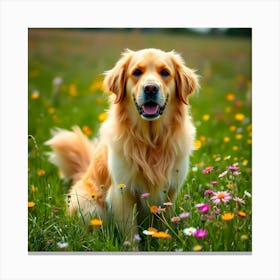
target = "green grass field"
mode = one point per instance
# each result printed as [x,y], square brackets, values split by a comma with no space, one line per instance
[64,89]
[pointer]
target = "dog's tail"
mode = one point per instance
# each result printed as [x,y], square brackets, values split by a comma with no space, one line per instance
[71,153]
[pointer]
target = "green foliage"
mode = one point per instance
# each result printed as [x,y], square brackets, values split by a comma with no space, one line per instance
[65,79]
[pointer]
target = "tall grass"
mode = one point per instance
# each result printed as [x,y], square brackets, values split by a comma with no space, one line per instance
[65,89]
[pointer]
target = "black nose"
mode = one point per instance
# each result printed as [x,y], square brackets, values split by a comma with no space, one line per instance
[151,89]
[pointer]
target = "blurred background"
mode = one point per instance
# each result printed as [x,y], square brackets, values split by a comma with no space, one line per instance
[65,68]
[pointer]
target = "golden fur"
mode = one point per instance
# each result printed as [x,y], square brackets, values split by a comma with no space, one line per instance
[143,145]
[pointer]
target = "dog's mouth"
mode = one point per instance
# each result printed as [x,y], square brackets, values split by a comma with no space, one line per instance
[150,110]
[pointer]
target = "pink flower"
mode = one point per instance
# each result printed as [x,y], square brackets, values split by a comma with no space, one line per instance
[233,168]
[223,174]
[144,195]
[208,192]
[214,183]
[203,207]
[208,169]
[200,233]
[219,197]
[239,200]
[184,215]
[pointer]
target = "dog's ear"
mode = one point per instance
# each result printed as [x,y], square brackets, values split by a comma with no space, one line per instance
[115,79]
[186,79]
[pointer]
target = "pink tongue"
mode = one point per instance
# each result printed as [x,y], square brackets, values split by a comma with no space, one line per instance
[150,109]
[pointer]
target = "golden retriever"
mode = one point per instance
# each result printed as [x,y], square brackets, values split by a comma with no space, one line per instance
[143,146]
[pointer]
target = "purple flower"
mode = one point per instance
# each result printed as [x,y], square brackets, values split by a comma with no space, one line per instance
[137,237]
[233,168]
[208,192]
[203,207]
[200,233]
[144,195]
[214,183]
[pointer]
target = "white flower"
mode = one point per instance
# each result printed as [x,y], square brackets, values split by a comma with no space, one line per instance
[223,174]
[62,245]
[189,231]
[247,194]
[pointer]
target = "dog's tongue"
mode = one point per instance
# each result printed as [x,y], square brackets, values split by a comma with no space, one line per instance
[150,108]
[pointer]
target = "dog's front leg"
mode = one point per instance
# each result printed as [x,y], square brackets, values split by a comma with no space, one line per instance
[121,204]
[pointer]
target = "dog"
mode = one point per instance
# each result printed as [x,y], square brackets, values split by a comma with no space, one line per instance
[143,146]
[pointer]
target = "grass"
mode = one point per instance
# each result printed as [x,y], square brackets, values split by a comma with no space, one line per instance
[65,68]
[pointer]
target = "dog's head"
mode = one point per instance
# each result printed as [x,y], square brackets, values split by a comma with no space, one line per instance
[151,79]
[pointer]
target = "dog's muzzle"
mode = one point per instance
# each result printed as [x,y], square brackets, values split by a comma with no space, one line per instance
[150,107]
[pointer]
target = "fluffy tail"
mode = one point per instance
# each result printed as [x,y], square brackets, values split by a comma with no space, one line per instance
[71,152]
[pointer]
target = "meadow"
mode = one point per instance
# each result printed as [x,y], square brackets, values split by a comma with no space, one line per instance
[213,213]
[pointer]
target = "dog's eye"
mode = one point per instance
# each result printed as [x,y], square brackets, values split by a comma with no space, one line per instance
[137,72]
[164,73]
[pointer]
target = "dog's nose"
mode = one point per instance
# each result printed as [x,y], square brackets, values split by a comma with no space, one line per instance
[151,89]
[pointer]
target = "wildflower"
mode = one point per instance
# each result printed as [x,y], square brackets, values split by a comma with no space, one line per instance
[244,237]
[96,222]
[73,90]
[239,200]
[103,116]
[51,110]
[92,195]
[144,195]
[227,216]
[194,168]
[214,183]
[208,192]
[208,169]
[232,128]
[187,196]
[206,117]
[219,197]
[184,215]
[126,244]
[227,157]
[87,130]
[161,234]
[238,136]
[230,96]
[247,194]
[197,248]
[154,209]
[200,233]
[168,203]
[223,174]
[197,144]
[241,214]
[57,81]
[226,139]
[41,172]
[31,204]
[239,117]
[150,231]
[175,219]
[189,231]
[235,148]
[121,186]
[137,237]
[62,245]
[34,189]
[233,168]
[203,207]
[35,95]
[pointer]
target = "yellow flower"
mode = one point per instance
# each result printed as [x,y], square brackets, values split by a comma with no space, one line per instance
[245,162]
[161,234]
[230,96]
[238,136]
[228,109]
[51,110]
[121,186]
[202,138]
[41,172]
[73,90]
[239,117]
[103,116]
[227,216]
[197,248]
[35,95]
[87,130]
[226,139]
[96,222]
[235,148]
[232,128]
[206,117]
[244,237]
[34,189]
[31,204]
[197,144]
[241,214]
[96,85]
